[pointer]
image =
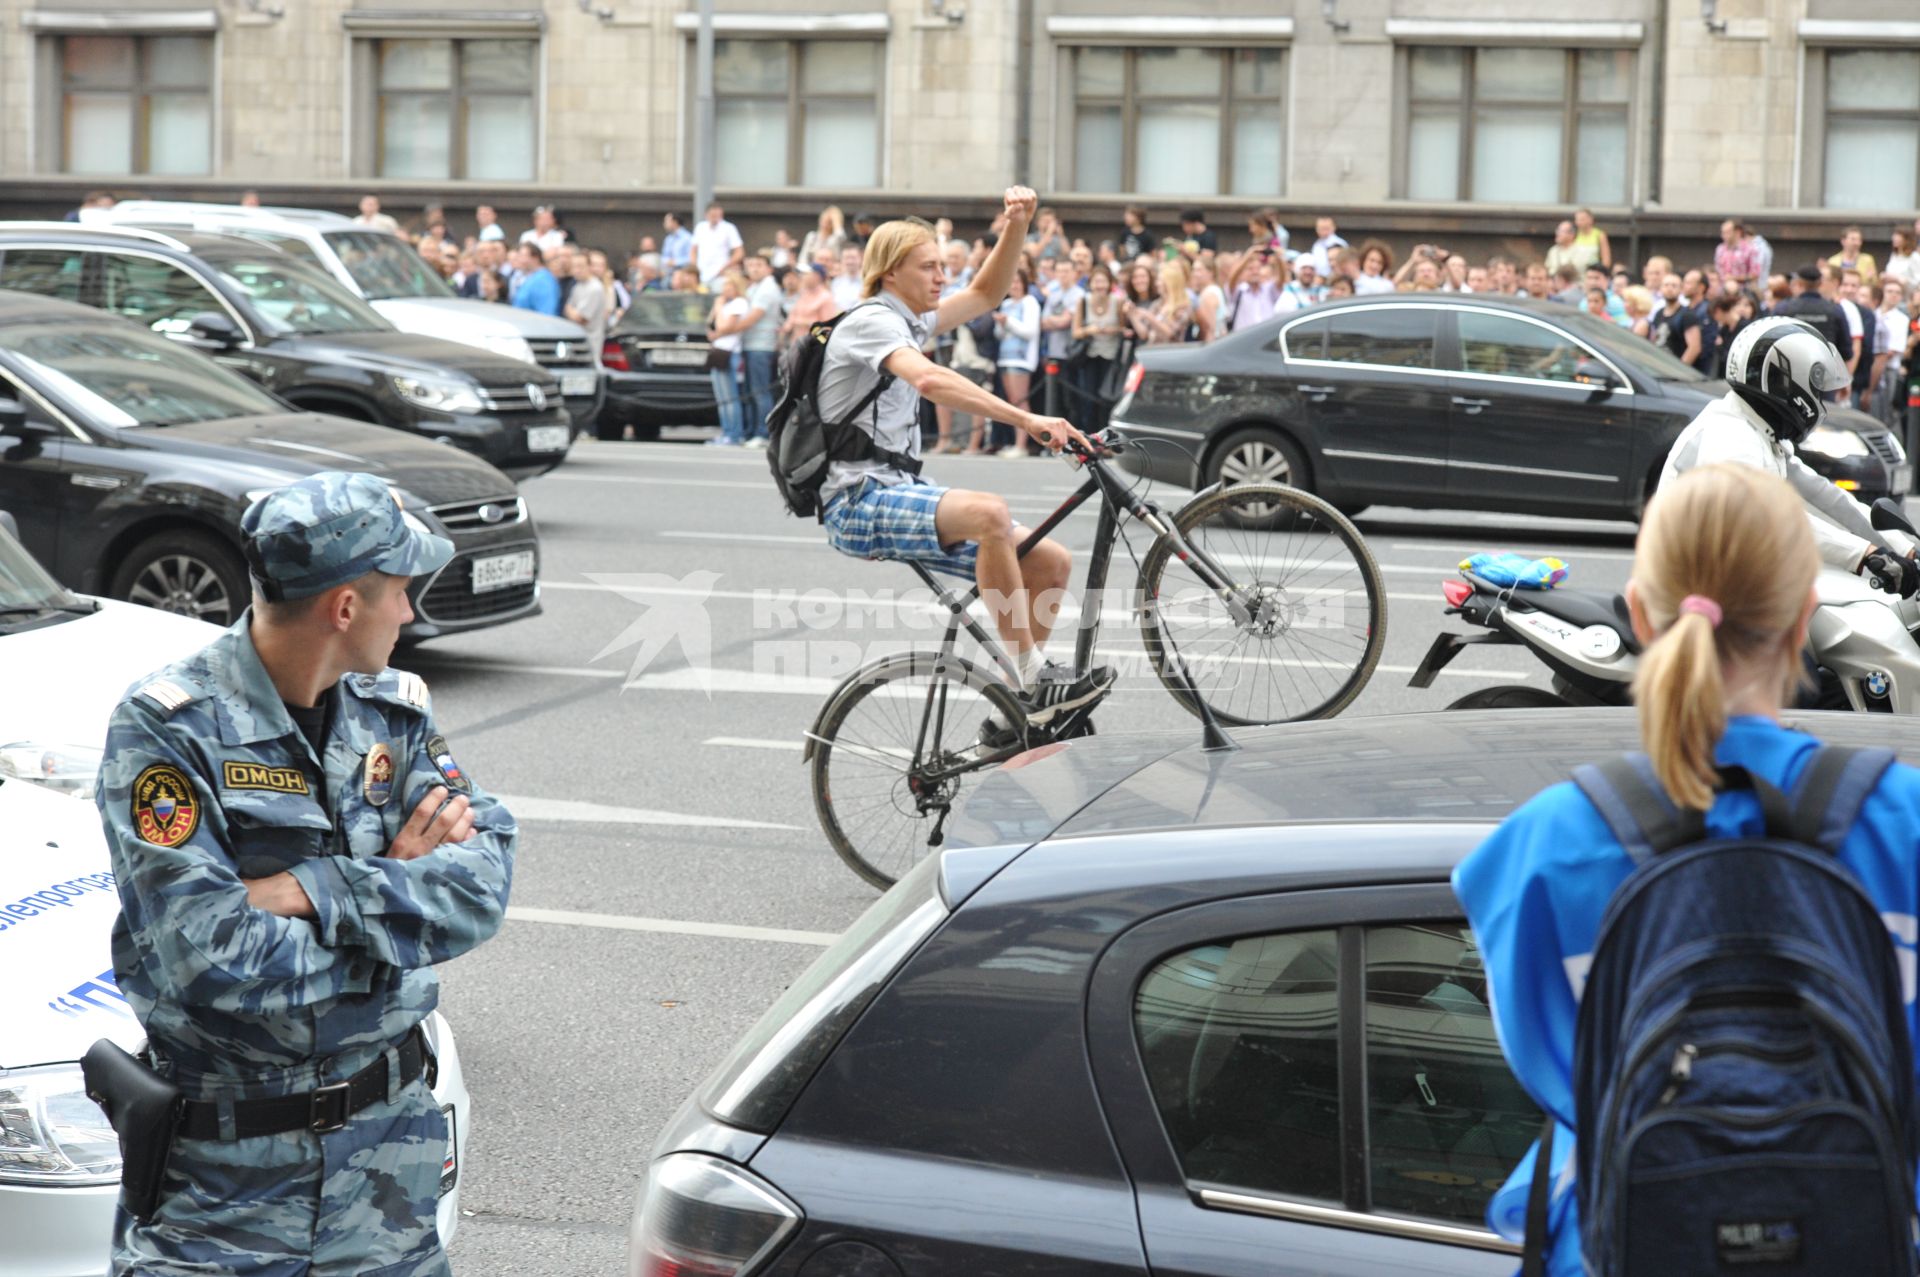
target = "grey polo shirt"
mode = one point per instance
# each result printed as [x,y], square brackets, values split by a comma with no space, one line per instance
[860,345]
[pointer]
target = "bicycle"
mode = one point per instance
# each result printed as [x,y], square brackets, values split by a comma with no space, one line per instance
[896,744]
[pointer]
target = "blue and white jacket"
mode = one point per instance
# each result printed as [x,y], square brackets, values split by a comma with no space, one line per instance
[1536,890]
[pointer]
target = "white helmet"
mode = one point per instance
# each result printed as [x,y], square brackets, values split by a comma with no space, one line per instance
[1780,367]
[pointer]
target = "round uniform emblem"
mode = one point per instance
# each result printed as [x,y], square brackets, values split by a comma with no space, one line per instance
[164,809]
[379,779]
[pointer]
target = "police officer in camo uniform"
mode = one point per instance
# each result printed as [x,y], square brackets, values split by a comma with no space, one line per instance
[295,846]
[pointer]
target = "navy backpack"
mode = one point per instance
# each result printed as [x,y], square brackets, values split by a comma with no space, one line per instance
[1742,1079]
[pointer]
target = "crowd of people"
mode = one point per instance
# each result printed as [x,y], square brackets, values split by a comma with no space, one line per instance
[1081,303]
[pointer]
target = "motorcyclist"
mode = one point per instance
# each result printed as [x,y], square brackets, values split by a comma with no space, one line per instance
[1777,371]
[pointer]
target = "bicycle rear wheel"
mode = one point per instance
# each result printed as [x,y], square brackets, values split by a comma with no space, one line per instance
[896,749]
[1315,604]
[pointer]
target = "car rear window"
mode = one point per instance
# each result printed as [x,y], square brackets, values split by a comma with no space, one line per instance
[764,1074]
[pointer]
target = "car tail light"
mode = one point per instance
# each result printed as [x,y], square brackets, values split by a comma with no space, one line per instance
[702,1217]
[1135,375]
[1457,592]
[614,356]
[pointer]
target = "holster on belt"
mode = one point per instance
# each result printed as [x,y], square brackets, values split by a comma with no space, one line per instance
[144,1109]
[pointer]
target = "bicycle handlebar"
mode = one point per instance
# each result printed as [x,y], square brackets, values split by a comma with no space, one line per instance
[1106,443]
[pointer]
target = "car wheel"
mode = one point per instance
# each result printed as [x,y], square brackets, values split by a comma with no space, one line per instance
[1510,697]
[1259,455]
[187,572]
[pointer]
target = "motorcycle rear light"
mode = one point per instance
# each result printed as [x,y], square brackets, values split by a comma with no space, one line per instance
[1135,375]
[614,356]
[702,1217]
[1457,592]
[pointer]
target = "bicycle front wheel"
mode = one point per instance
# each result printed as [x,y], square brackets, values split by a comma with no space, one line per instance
[1308,616]
[897,748]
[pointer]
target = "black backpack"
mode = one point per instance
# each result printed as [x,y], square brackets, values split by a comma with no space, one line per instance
[800,443]
[1742,1074]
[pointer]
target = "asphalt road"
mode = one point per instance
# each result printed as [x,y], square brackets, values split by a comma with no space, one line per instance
[671,877]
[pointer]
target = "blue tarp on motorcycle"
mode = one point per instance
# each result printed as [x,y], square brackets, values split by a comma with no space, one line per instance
[1516,570]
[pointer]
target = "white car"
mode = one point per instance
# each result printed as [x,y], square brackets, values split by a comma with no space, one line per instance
[65,661]
[393,279]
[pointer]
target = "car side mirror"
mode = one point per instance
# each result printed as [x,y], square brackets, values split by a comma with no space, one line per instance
[1887,515]
[1596,374]
[214,328]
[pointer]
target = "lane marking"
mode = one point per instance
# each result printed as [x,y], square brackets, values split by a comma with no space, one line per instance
[754,742]
[568,810]
[861,600]
[1569,555]
[669,926]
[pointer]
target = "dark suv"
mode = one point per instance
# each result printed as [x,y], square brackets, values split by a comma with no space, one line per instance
[126,461]
[298,333]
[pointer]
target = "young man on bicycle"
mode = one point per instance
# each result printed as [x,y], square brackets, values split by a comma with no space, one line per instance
[874,510]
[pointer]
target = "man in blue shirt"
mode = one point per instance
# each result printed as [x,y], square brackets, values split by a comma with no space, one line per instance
[676,249]
[537,289]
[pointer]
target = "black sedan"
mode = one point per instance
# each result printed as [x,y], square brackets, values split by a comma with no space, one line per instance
[1448,401]
[127,459]
[656,362]
[1155,1010]
[300,334]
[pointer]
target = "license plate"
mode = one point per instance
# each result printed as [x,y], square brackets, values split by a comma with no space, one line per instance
[502,570]
[547,438]
[450,1164]
[672,357]
[577,383]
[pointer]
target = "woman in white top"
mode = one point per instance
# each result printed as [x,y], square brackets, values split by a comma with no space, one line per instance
[828,236]
[1101,321]
[1376,269]
[730,305]
[1018,323]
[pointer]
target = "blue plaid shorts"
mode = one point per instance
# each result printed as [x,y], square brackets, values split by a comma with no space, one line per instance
[875,521]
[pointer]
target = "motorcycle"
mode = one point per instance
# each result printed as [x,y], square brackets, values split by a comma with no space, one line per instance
[1862,639]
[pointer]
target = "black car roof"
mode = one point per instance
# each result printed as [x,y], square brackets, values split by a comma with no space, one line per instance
[20,308]
[1471,766]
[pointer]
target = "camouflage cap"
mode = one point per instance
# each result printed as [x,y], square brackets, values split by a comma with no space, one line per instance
[332,528]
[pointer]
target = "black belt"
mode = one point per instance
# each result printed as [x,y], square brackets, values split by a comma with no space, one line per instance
[320,1110]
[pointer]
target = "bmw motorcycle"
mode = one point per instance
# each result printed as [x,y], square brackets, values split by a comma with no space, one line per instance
[1865,641]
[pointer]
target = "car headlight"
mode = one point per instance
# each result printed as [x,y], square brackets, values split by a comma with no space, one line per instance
[439,394]
[66,769]
[1831,441]
[51,1133]
[512,345]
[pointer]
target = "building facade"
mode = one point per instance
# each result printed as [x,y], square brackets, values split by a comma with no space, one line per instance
[1801,114]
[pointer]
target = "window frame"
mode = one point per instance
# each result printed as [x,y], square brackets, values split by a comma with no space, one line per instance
[1829,116]
[1120,1070]
[796,100]
[457,95]
[1127,103]
[139,99]
[1467,108]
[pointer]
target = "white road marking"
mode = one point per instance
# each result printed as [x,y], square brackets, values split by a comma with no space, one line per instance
[670,926]
[562,809]
[852,599]
[1571,555]
[753,742]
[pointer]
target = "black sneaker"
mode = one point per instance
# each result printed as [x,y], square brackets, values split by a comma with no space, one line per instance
[1056,691]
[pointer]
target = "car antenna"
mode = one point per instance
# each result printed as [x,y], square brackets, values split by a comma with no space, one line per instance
[1213,737]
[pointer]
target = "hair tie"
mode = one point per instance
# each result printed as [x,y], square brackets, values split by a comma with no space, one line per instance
[1704,606]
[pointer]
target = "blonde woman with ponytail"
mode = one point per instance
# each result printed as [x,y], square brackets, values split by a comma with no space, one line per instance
[1721,596]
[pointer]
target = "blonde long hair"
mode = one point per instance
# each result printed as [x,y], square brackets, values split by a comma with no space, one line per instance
[1739,538]
[887,249]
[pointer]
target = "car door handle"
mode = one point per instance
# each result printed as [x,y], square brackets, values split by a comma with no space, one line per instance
[1471,405]
[1317,393]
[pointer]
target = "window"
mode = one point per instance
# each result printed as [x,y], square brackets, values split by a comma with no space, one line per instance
[455,109]
[136,104]
[1241,1045]
[1241,1042]
[1503,346]
[1518,125]
[1446,1121]
[47,272]
[796,114]
[1178,121]
[1388,337]
[1873,128]
[154,292]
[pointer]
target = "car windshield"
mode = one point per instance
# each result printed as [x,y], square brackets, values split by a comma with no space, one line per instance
[383,266]
[291,298]
[668,310]
[126,377]
[24,584]
[1620,345]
